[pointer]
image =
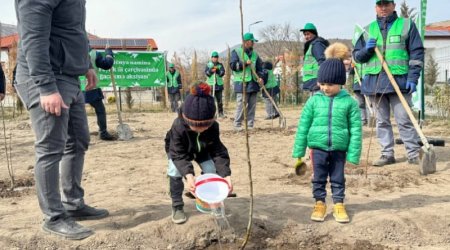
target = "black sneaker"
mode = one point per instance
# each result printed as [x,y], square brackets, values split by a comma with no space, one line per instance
[364,123]
[384,160]
[178,215]
[107,136]
[414,160]
[66,227]
[88,213]
[275,116]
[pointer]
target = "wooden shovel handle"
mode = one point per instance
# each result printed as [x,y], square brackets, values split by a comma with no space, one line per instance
[402,99]
[113,81]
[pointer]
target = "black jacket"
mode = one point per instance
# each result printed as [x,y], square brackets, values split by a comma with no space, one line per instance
[2,81]
[53,42]
[182,147]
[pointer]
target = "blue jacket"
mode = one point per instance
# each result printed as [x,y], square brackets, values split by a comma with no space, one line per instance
[236,65]
[318,51]
[174,90]
[221,73]
[104,62]
[378,84]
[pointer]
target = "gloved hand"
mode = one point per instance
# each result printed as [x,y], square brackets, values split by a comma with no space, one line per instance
[300,167]
[411,86]
[109,52]
[371,43]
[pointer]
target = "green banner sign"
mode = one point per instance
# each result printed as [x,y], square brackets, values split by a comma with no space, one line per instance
[134,69]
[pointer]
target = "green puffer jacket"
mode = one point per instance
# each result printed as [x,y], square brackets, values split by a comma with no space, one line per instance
[330,124]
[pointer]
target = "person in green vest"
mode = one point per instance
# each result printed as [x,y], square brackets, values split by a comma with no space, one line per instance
[95,96]
[330,126]
[214,72]
[174,87]
[357,67]
[251,60]
[399,41]
[272,86]
[313,56]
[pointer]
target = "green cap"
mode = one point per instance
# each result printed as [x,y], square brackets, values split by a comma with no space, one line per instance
[214,54]
[249,37]
[386,1]
[171,65]
[309,27]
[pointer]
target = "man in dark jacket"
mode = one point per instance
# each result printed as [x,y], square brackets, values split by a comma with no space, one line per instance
[251,60]
[314,52]
[214,72]
[399,41]
[174,87]
[194,136]
[95,96]
[2,84]
[52,54]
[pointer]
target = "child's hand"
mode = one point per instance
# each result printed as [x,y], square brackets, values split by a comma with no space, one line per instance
[190,182]
[228,179]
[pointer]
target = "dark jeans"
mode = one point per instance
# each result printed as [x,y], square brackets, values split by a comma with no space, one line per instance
[174,98]
[100,111]
[218,95]
[328,164]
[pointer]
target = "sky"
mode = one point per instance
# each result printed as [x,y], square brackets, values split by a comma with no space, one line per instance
[209,25]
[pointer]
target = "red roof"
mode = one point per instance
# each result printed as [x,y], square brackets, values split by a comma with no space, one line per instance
[7,41]
[444,26]
[100,43]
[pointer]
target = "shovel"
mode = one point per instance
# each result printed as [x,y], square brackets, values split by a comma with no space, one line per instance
[282,119]
[123,130]
[427,164]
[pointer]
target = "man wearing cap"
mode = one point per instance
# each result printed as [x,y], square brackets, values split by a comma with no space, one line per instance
[251,60]
[314,52]
[174,86]
[214,71]
[399,41]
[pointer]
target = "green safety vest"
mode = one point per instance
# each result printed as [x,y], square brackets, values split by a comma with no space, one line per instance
[310,66]
[214,78]
[93,56]
[396,55]
[172,79]
[237,75]
[271,81]
[358,68]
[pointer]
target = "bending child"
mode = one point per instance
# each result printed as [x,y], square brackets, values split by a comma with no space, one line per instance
[330,125]
[194,136]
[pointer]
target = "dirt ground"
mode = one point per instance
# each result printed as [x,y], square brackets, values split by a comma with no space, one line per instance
[394,208]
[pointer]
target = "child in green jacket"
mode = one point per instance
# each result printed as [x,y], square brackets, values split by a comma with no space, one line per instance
[330,125]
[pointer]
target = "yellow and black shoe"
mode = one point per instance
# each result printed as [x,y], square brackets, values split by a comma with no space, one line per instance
[319,212]
[340,214]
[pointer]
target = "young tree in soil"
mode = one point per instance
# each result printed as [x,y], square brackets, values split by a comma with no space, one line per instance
[431,71]
[227,78]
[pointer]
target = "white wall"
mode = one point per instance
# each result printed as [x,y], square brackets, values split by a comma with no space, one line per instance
[436,43]
[442,57]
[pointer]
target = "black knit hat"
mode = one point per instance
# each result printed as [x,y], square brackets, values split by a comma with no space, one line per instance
[199,108]
[332,70]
